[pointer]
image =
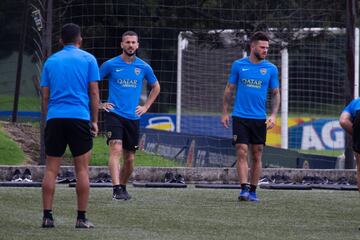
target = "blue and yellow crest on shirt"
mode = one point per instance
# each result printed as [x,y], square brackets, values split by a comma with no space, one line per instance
[137,71]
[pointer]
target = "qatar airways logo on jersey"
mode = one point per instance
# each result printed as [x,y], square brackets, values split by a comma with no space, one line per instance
[253,83]
[128,83]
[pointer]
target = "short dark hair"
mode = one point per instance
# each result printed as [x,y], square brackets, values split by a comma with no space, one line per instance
[259,36]
[129,33]
[70,33]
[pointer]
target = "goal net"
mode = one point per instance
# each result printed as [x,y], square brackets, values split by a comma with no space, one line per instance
[191,46]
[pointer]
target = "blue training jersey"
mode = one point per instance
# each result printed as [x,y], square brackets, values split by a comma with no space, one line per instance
[125,84]
[353,107]
[252,82]
[68,73]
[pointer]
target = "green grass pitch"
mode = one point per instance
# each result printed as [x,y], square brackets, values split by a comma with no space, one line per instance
[185,214]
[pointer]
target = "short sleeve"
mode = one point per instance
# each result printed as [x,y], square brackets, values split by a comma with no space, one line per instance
[150,76]
[274,78]
[234,75]
[104,70]
[93,74]
[349,108]
[44,76]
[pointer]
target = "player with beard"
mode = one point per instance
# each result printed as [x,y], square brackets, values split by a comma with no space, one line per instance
[252,77]
[126,74]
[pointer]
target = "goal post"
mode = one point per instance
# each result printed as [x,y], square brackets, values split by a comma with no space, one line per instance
[181,46]
[284,97]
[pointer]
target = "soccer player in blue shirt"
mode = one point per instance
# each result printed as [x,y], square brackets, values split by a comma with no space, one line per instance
[350,122]
[251,77]
[126,74]
[69,85]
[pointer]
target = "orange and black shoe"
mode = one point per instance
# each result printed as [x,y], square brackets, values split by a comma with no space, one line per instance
[48,223]
[83,223]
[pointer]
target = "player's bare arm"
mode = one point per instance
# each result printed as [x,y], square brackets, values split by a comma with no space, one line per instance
[275,104]
[155,90]
[94,105]
[229,89]
[346,123]
[45,92]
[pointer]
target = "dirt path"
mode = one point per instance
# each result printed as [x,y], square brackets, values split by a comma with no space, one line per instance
[28,138]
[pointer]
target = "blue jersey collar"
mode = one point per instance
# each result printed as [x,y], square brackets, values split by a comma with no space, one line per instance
[70,46]
[261,62]
[121,60]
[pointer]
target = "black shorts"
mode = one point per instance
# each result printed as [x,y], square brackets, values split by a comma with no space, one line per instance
[356,133]
[124,129]
[60,132]
[249,131]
